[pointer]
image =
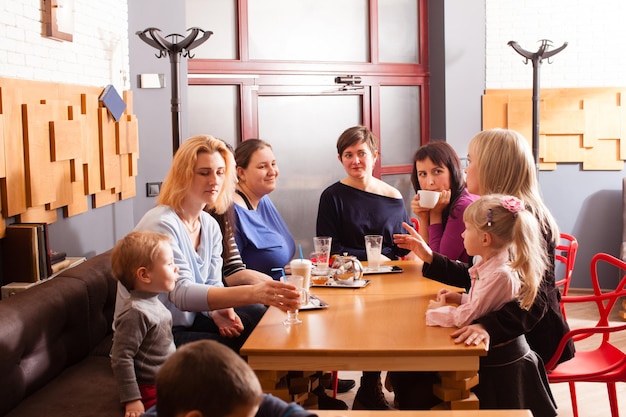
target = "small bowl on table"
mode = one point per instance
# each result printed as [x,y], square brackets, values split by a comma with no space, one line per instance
[319,279]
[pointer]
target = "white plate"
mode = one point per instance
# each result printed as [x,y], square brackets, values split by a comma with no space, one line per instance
[383,269]
[315,303]
[355,284]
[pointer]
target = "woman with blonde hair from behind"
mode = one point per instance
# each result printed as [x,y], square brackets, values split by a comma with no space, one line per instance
[202,176]
[506,240]
[500,162]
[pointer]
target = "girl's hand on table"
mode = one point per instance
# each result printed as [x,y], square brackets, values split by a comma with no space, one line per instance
[474,334]
[278,294]
[414,242]
[228,322]
[448,296]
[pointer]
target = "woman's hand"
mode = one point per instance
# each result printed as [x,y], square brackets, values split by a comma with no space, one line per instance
[134,408]
[228,322]
[420,211]
[473,334]
[278,294]
[442,203]
[414,242]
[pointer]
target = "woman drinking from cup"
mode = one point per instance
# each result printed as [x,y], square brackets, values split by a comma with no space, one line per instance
[436,167]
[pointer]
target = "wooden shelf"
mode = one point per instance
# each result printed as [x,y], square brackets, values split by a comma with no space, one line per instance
[15,287]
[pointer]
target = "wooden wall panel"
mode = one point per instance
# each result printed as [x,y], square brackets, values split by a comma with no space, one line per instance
[59,147]
[109,160]
[39,178]
[14,187]
[584,125]
[37,215]
[80,202]
[3,168]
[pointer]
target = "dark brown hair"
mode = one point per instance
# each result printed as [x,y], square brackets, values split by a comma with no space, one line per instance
[357,134]
[246,149]
[206,376]
[441,154]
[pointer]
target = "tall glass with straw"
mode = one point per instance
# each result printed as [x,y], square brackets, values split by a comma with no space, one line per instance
[298,282]
[303,268]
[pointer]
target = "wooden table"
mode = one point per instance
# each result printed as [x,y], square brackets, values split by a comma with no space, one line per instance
[378,327]
[425,413]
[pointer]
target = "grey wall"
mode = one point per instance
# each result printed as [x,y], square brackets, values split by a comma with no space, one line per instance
[587,205]
[464,26]
[153,106]
[93,232]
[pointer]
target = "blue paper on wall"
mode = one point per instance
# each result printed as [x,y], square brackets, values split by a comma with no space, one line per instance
[113,102]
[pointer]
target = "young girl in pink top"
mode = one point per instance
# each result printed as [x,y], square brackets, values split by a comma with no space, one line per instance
[508,247]
[512,261]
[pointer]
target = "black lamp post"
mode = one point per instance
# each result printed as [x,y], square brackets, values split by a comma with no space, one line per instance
[175,50]
[537,58]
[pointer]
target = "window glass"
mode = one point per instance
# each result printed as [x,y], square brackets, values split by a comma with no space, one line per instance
[399,123]
[397,31]
[309,30]
[219,17]
[214,110]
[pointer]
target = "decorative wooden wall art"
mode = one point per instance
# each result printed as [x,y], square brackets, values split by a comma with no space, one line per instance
[59,147]
[585,125]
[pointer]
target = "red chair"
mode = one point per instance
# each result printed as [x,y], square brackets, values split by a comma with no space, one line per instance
[566,253]
[605,363]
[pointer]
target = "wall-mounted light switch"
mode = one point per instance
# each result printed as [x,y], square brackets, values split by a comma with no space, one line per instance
[153,189]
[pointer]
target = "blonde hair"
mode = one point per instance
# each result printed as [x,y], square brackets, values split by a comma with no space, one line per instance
[506,166]
[135,250]
[512,226]
[180,176]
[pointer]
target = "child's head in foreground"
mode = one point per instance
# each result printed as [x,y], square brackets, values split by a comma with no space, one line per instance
[143,260]
[207,379]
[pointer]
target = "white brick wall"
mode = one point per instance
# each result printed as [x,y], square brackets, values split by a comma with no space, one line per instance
[594,29]
[97,56]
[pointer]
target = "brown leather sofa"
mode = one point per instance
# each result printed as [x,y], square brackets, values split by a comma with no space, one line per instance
[55,340]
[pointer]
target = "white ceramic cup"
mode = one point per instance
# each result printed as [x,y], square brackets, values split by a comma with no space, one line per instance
[373,249]
[428,199]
